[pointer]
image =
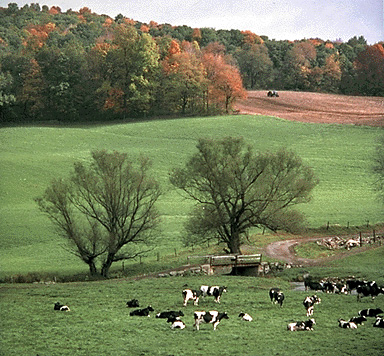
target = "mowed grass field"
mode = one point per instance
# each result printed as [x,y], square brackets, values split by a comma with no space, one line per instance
[31,156]
[99,322]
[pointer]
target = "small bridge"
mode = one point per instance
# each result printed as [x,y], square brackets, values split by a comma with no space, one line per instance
[237,264]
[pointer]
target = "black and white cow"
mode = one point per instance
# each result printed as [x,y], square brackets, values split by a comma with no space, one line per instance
[176,322]
[358,320]
[169,314]
[301,325]
[245,317]
[133,303]
[352,284]
[309,303]
[276,296]
[191,294]
[347,324]
[316,286]
[210,317]
[142,312]
[61,307]
[370,313]
[368,289]
[215,291]
[379,323]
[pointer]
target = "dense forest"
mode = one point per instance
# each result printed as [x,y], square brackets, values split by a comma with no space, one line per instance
[79,65]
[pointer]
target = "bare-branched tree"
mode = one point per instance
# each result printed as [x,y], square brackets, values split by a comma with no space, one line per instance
[237,190]
[105,210]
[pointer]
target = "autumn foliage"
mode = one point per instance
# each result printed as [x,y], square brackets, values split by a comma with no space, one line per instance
[78,65]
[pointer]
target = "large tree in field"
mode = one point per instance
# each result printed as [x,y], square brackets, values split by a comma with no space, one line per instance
[237,189]
[105,210]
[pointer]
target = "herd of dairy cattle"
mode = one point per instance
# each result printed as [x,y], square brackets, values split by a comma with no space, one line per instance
[214,317]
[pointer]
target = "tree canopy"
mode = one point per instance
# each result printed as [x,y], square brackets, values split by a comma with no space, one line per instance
[236,189]
[105,210]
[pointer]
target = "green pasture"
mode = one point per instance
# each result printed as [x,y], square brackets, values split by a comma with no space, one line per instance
[99,322]
[31,156]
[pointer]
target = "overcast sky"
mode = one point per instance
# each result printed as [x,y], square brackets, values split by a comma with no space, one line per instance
[277,19]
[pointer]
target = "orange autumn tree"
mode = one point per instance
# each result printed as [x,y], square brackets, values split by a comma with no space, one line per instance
[184,79]
[225,83]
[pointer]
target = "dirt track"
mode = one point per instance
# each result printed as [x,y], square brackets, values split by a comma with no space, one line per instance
[316,107]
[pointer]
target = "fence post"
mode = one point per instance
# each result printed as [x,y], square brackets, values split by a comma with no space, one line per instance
[374,236]
[361,240]
[328,225]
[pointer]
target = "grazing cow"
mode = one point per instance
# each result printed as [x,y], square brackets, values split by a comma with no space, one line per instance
[347,324]
[309,303]
[215,291]
[210,317]
[353,284]
[169,314]
[301,325]
[358,320]
[368,289]
[61,307]
[316,286]
[133,303]
[142,312]
[379,323]
[245,317]
[191,294]
[176,322]
[370,313]
[276,296]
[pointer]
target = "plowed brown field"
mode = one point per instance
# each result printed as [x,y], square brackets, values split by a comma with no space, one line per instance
[316,107]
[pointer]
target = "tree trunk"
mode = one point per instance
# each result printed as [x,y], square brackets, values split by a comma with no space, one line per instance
[92,268]
[234,243]
[107,265]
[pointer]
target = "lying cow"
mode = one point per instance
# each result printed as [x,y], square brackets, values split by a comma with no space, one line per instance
[276,296]
[169,314]
[133,303]
[370,313]
[61,307]
[142,312]
[309,303]
[211,317]
[347,324]
[301,325]
[358,320]
[379,323]
[215,291]
[191,294]
[245,317]
[176,322]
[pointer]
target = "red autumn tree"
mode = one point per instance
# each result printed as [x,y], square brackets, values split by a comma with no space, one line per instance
[370,70]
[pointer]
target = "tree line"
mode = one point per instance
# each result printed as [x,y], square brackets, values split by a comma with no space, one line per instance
[78,65]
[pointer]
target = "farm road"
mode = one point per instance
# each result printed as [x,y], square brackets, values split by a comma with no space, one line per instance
[284,251]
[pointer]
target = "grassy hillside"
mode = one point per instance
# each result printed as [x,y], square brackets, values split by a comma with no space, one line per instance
[31,156]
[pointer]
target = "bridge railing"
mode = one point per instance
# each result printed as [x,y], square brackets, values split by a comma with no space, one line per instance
[228,260]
